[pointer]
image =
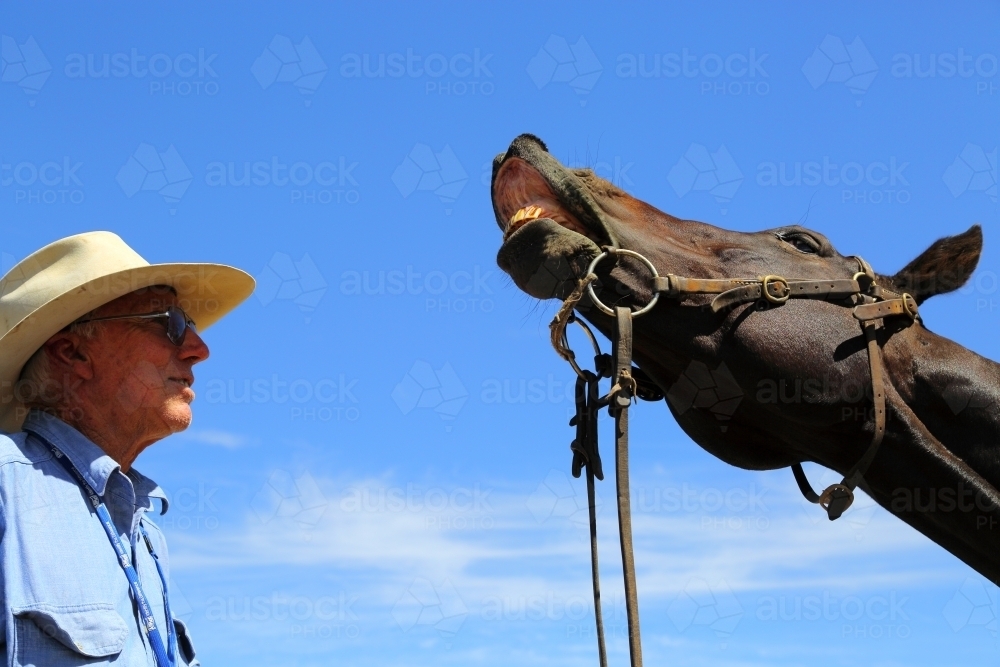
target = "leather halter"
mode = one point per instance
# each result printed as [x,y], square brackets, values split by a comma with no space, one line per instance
[870,304]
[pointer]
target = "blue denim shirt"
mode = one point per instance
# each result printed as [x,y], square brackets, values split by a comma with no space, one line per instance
[65,597]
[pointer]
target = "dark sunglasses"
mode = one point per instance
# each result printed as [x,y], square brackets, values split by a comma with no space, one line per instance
[178,322]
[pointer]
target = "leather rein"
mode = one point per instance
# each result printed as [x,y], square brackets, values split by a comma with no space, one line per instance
[870,302]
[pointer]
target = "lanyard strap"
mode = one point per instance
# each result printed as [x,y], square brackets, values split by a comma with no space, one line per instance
[163,659]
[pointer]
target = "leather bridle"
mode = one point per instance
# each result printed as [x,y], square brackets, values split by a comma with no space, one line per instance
[870,302]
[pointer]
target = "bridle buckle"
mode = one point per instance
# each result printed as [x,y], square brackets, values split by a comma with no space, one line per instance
[836,499]
[766,280]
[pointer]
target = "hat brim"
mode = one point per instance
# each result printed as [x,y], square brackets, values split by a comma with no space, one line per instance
[206,292]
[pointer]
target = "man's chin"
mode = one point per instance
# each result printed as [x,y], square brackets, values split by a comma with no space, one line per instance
[177,415]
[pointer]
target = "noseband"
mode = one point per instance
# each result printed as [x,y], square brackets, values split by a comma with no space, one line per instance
[870,302]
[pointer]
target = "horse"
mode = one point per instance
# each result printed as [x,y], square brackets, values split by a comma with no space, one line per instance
[795,366]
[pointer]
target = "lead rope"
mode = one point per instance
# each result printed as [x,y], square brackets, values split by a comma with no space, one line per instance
[621,395]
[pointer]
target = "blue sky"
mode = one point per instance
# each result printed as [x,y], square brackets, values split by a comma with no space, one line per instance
[378,470]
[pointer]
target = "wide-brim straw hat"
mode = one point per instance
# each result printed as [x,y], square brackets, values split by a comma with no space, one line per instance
[65,280]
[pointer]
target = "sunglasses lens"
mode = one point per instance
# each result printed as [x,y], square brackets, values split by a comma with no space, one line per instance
[176,325]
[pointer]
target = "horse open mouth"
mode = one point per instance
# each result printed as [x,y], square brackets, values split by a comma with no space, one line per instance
[524,196]
[551,221]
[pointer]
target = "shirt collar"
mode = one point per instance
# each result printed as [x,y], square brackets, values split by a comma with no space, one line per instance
[89,459]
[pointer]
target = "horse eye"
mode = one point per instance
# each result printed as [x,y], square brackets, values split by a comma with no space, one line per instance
[801,242]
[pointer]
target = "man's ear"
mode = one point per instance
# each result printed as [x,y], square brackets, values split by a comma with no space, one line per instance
[943,267]
[66,352]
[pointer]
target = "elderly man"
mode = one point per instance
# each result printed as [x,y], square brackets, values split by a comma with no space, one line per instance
[96,354]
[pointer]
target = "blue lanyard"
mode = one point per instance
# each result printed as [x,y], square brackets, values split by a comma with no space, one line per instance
[163,657]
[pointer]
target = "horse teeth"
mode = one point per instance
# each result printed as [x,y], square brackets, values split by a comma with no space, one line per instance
[526,213]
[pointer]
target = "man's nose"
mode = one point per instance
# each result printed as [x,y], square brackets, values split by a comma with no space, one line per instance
[193,349]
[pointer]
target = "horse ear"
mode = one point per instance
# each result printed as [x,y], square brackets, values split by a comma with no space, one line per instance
[943,267]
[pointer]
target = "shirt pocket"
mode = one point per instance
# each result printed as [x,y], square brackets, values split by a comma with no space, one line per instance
[184,646]
[50,635]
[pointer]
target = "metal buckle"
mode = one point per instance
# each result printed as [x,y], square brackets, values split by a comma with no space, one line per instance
[839,494]
[770,297]
[907,308]
[870,281]
[618,251]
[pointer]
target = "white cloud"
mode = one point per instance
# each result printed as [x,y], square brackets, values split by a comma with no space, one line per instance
[511,554]
[215,437]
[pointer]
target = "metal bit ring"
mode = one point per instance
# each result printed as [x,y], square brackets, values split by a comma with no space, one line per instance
[617,251]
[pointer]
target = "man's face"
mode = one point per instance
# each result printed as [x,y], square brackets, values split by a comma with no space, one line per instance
[145,378]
